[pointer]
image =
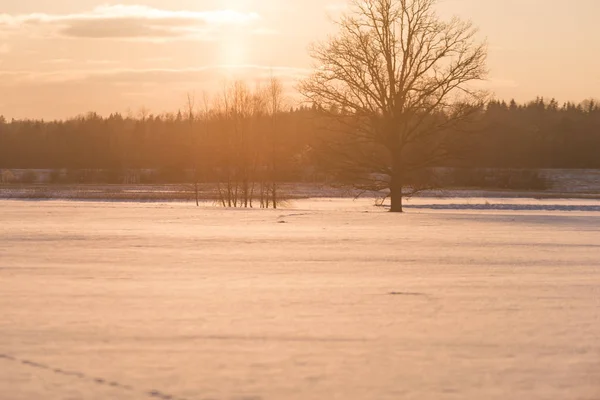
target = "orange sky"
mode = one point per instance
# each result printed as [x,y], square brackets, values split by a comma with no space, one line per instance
[64,57]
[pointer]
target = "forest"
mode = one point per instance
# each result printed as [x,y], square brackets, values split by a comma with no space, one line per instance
[242,130]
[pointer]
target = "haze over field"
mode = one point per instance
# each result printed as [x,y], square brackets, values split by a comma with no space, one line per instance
[62,58]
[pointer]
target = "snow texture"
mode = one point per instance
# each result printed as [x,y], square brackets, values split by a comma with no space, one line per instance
[330,299]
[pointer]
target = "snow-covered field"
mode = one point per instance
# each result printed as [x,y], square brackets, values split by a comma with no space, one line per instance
[328,299]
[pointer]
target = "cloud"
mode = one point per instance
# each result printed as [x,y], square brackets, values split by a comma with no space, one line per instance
[131,22]
[58,61]
[152,76]
[72,61]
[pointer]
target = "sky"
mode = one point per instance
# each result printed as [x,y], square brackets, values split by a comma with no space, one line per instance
[61,58]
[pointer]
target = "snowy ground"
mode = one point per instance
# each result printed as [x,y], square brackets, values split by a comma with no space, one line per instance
[329,299]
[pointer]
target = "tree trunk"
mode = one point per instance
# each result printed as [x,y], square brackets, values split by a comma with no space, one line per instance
[396,189]
[196,186]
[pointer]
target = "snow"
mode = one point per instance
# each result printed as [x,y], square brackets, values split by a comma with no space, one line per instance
[328,299]
[505,204]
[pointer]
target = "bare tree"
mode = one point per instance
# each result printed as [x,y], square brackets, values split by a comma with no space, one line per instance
[275,101]
[237,107]
[191,117]
[246,119]
[396,77]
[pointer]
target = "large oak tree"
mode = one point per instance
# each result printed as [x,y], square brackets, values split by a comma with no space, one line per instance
[397,78]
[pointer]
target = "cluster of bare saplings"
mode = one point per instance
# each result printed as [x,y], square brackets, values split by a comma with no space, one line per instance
[246,146]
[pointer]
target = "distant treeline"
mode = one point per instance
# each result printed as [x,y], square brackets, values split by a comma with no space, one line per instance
[242,130]
[538,134]
[167,142]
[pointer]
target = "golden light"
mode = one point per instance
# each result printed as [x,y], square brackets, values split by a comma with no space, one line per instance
[234,42]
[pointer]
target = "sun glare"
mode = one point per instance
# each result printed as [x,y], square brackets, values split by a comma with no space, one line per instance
[233,50]
[234,45]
